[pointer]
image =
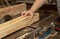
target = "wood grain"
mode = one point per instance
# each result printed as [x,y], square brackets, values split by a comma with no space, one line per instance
[16,24]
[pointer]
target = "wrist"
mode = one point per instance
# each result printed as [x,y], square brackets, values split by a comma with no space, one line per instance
[32,10]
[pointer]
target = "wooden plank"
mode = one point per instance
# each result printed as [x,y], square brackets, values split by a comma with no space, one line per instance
[16,24]
[12,10]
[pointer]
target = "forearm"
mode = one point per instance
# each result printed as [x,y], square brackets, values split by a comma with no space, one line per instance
[37,4]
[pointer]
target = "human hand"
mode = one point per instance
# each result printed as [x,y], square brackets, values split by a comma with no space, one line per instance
[26,13]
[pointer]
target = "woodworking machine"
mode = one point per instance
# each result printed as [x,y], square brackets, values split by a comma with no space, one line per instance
[46,28]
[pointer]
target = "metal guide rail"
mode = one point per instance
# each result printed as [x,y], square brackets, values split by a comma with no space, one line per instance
[33,31]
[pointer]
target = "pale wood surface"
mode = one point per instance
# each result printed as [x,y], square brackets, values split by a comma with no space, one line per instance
[12,10]
[16,24]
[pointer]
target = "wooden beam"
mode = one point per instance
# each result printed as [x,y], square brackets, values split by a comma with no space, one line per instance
[12,10]
[16,24]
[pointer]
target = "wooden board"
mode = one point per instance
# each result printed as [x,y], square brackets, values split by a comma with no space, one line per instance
[12,10]
[16,24]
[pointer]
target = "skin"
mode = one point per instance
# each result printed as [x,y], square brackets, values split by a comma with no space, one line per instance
[37,4]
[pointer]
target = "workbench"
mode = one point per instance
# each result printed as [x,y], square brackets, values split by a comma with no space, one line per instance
[34,30]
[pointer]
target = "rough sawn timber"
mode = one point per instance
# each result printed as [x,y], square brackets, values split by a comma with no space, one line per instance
[12,10]
[16,24]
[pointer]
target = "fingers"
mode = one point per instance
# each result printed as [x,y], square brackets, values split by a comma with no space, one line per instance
[25,13]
